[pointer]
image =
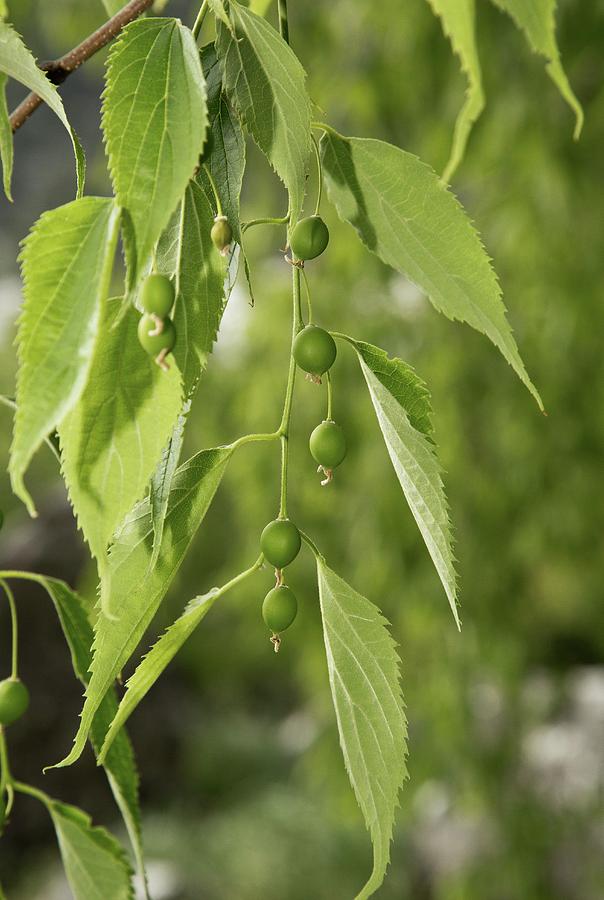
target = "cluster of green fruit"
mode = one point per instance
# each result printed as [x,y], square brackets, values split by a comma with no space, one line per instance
[156,331]
[315,350]
[280,543]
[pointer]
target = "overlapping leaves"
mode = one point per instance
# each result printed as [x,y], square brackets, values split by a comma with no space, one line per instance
[67,261]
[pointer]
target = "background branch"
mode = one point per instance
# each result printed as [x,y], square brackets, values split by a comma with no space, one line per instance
[59,69]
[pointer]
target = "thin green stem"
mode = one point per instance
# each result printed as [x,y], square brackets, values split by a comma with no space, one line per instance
[271,220]
[319,173]
[15,628]
[289,392]
[308,300]
[31,791]
[214,190]
[5,775]
[253,438]
[283,21]
[199,20]
[241,577]
[312,545]
[329,396]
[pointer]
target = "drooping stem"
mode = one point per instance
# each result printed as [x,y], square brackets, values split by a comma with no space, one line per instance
[253,438]
[59,69]
[15,628]
[319,173]
[199,20]
[283,22]
[289,392]
[269,220]
[308,300]
[329,396]
[214,190]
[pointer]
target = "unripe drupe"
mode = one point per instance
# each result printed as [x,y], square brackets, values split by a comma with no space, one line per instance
[309,238]
[328,444]
[157,337]
[14,700]
[221,234]
[157,295]
[314,350]
[279,608]
[280,542]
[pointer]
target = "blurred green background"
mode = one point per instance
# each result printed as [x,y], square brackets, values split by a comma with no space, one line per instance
[243,790]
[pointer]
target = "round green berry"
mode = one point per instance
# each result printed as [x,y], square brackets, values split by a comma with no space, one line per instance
[14,700]
[328,444]
[280,542]
[309,238]
[221,234]
[157,295]
[154,343]
[314,350]
[279,608]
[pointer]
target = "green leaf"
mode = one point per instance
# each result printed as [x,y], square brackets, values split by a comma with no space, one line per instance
[166,648]
[67,260]
[6,140]
[119,763]
[407,217]
[17,62]
[226,156]
[187,254]
[3,9]
[402,406]
[537,20]
[260,7]
[161,482]
[94,861]
[133,591]
[113,438]
[157,659]
[365,686]
[458,22]
[266,83]
[155,122]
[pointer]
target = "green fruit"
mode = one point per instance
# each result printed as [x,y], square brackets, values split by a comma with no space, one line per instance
[279,608]
[328,444]
[157,295]
[309,238]
[314,350]
[154,344]
[14,700]
[221,233]
[280,542]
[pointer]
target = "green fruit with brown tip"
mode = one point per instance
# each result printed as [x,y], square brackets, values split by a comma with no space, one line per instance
[280,542]
[221,233]
[328,444]
[157,295]
[279,608]
[314,350]
[14,700]
[154,343]
[309,238]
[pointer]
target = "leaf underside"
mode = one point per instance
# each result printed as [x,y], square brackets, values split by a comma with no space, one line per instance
[406,216]
[130,590]
[6,140]
[66,263]
[114,436]
[154,123]
[365,686]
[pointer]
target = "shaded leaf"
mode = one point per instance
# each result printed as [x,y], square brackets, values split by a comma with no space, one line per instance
[365,686]
[266,83]
[17,62]
[407,217]
[401,403]
[94,861]
[537,20]
[6,140]
[130,589]
[113,438]
[67,260]
[458,22]
[187,254]
[161,482]
[154,122]
[225,157]
[119,763]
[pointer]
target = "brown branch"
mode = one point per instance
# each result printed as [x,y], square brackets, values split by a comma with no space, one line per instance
[60,69]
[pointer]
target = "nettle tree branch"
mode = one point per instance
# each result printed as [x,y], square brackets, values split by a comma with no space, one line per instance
[59,69]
